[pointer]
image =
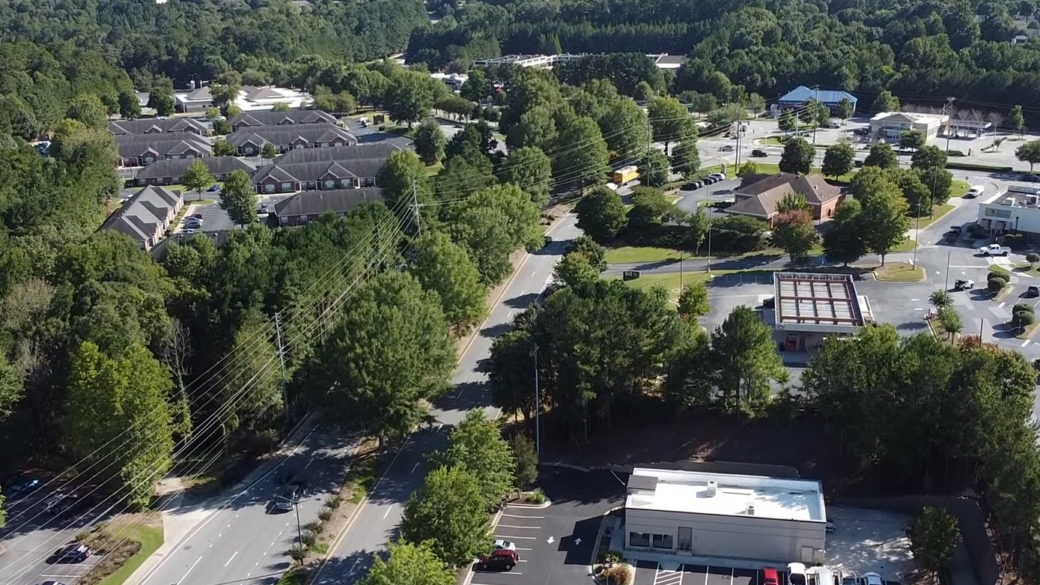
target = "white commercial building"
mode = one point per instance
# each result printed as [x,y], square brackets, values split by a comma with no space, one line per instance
[250,98]
[1017,210]
[888,126]
[723,515]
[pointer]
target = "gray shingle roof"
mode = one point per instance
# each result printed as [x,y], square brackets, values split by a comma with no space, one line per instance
[365,150]
[143,213]
[153,125]
[764,193]
[165,144]
[175,167]
[335,200]
[272,118]
[288,135]
[314,171]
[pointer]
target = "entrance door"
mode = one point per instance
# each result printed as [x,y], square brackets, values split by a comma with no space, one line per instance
[807,554]
[685,538]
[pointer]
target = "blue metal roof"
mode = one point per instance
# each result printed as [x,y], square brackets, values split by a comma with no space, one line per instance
[802,94]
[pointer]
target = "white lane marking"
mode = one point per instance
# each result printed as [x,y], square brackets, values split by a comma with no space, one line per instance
[522,516]
[189,570]
[1025,343]
[219,535]
[237,515]
[518,548]
[211,545]
[387,513]
[1001,305]
[309,461]
[507,537]
[233,555]
[416,466]
[524,527]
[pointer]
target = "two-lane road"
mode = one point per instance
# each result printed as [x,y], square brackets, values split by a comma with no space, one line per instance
[377,521]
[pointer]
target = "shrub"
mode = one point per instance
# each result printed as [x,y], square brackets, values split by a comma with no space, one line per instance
[333,502]
[1022,307]
[1032,257]
[324,514]
[611,557]
[308,539]
[536,497]
[1022,319]
[996,284]
[974,167]
[618,575]
[297,553]
[955,153]
[320,548]
[1015,241]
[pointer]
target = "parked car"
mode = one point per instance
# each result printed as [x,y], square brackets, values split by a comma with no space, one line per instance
[59,502]
[770,576]
[499,560]
[873,579]
[692,185]
[718,176]
[198,216]
[504,545]
[1033,291]
[963,284]
[796,574]
[974,192]
[726,148]
[759,153]
[73,553]
[191,231]
[994,250]
[213,189]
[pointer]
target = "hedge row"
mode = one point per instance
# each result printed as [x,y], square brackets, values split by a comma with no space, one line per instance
[974,167]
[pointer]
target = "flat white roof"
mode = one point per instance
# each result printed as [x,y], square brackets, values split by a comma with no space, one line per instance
[687,491]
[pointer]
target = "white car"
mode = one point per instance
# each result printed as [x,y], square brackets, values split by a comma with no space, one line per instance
[873,579]
[505,545]
[718,176]
[191,231]
[994,250]
[796,574]
[974,192]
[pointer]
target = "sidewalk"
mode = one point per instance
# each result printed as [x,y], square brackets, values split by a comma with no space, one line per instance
[179,519]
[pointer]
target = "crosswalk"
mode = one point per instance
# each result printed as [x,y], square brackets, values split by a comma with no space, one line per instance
[668,575]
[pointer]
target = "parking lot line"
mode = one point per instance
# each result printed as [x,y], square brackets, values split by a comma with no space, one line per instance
[518,548]
[523,516]
[508,537]
[524,527]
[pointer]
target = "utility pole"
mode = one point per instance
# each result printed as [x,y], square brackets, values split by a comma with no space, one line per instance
[949,104]
[649,145]
[281,361]
[709,240]
[537,405]
[299,529]
[736,162]
[680,270]
[415,208]
[947,286]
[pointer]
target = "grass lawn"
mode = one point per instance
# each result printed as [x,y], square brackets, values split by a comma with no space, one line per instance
[639,254]
[1028,332]
[937,213]
[293,577]
[149,534]
[907,245]
[1025,268]
[958,188]
[669,281]
[899,273]
[432,170]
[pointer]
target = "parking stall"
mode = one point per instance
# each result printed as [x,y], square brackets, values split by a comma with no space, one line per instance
[522,527]
[651,573]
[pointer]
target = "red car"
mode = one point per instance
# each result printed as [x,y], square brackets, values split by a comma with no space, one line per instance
[770,576]
[499,560]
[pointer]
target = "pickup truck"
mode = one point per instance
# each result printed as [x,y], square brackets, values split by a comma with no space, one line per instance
[994,250]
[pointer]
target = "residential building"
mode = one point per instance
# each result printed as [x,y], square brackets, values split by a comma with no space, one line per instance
[158,126]
[250,98]
[455,81]
[273,118]
[170,171]
[358,151]
[758,196]
[309,205]
[809,308]
[1016,211]
[889,126]
[251,140]
[138,150]
[702,514]
[146,215]
[320,175]
[663,61]
[801,95]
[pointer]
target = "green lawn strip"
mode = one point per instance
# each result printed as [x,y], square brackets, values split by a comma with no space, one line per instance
[958,188]
[998,269]
[1028,332]
[150,537]
[432,170]
[907,245]
[899,273]
[640,254]
[937,213]
[670,281]
[1022,268]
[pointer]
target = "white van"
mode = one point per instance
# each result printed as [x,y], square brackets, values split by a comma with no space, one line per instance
[974,192]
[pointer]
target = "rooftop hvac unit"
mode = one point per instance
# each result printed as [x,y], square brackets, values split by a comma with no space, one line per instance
[713,486]
[1031,200]
[750,509]
[1010,202]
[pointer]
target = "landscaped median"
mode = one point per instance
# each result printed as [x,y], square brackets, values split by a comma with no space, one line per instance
[126,543]
[899,272]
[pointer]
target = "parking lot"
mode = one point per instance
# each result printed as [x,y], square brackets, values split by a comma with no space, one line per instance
[650,573]
[555,543]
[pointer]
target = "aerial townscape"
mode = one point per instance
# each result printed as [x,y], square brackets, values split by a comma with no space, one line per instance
[518,292]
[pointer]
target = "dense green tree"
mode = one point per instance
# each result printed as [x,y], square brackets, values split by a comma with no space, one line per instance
[795,232]
[1016,120]
[654,169]
[161,99]
[623,126]
[746,360]
[529,169]
[10,389]
[390,350]
[129,107]
[939,183]
[430,141]
[536,128]
[250,392]
[443,267]
[403,180]
[450,513]
[492,224]
[580,154]
[269,151]
[881,155]
[685,158]
[112,395]
[797,157]
[787,121]
[928,157]
[838,159]
[884,219]
[87,108]
[575,270]
[601,214]
[1029,152]
[843,241]
[912,140]
[693,301]
[511,371]
[411,96]
[596,254]
[280,107]
[934,536]
[222,147]
[476,446]
[669,120]
[476,88]
[845,109]
[409,564]
[526,457]
[197,178]
[885,102]
[238,197]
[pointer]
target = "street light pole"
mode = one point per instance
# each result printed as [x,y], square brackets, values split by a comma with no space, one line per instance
[949,103]
[947,287]
[299,529]
[537,405]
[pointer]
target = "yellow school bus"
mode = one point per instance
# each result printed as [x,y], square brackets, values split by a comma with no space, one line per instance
[625,174]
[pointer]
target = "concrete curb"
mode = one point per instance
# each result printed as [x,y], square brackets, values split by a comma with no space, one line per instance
[541,506]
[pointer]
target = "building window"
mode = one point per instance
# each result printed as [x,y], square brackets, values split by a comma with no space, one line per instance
[639,540]
[663,541]
[370,182]
[330,184]
[303,219]
[248,149]
[286,187]
[269,188]
[299,145]
[346,183]
[149,160]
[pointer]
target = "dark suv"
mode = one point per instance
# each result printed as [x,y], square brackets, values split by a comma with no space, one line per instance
[287,499]
[498,560]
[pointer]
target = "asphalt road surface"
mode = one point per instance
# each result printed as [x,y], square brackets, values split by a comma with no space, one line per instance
[244,541]
[377,521]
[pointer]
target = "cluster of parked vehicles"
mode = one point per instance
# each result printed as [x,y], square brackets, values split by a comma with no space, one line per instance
[503,557]
[709,180]
[798,574]
[193,223]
